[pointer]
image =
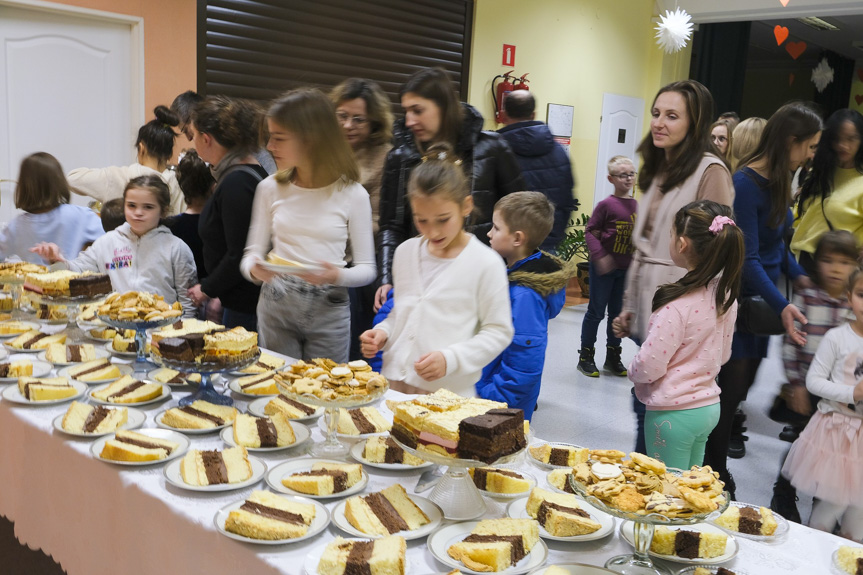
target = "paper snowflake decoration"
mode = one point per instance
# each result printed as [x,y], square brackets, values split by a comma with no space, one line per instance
[822,75]
[673,31]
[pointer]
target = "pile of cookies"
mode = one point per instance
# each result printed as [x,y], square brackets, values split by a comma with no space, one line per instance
[643,485]
[138,306]
[331,381]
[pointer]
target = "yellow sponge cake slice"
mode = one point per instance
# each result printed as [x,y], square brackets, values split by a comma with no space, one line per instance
[496,544]
[132,446]
[261,384]
[560,513]
[73,353]
[385,556]
[96,370]
[325,478]
[265,515]
[84,418]
[199,415]
[36,340]
[45,388]
[386,512]
[273,431]
[127,389]
[264,364]
[216,467]
[362,420]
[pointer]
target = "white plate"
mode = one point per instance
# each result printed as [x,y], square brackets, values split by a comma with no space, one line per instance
[530,479]
[291,270]
[136,419]
[11,393]
[40,368]
[573,569]
[172,474]
[442,539]
[542,465]
[781,526]
[151,374]
[518,510]
[433,512]
[731,547]
[310,565]
[16,350]
[166,393]
[301,433]
[163,425]
[322,424]
[29,324]
[257,408]
[109,347]
[99,354]
[96,447]
[357,453]
[713,568]
[235,387]
[124,370]
[275,475]
[319,523]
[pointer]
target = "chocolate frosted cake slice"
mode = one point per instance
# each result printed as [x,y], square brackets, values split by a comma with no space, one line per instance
[90,285]
[492,435]
[177,349]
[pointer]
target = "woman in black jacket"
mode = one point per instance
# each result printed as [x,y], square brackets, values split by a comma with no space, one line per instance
[434,114]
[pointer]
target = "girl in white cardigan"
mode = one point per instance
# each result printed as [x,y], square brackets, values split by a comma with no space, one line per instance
[452,313]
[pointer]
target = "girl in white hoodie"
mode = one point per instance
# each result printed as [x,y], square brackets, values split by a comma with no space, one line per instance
[142,254]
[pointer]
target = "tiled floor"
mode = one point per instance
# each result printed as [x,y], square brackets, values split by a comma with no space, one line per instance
[598,413]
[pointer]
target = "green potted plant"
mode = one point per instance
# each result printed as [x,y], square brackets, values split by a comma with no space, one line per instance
[573,246]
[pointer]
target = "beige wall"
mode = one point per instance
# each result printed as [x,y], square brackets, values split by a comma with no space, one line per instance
[169,44]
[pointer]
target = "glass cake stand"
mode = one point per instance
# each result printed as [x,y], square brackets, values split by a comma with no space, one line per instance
[643,527]
[456,493]
[141,362]
[206,391]
[74,334]
[16,289]
[331,447]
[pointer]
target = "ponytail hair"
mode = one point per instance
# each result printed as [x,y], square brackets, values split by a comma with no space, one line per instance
[717,247]
[439,173]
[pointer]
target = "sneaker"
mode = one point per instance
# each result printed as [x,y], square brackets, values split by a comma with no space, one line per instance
[737,445]
[784,500]
[586,364]
[612,361]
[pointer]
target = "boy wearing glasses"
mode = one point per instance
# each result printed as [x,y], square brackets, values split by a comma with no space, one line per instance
[609,239]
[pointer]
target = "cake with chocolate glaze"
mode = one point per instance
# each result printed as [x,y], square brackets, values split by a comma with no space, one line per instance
[96,370]
[382,449]
[325,478]
[385,556]
[267,516]
[199,415]
[68,283]
[385,512]
[216,467]
[560,514]
[132,446]
[498,480]
[45,388]
[84,418]
[272,431]
[291,408]
[688,544]
[496,544]
[748,520]
[362,420]
[127,389]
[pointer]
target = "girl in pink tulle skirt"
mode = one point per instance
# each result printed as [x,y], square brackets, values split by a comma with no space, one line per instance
[827,458]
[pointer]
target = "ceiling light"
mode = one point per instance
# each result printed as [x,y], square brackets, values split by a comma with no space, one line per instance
[817,23]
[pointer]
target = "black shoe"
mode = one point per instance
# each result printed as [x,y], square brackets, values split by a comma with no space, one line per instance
[790,433]
[586,364]
[784,500]
[612,361]
[737,445]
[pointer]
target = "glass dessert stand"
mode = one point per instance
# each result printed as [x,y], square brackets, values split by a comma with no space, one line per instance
[455,492]
[74,334]
[141,362]
[206,391]
[331,447]
[15,290]
[643,527]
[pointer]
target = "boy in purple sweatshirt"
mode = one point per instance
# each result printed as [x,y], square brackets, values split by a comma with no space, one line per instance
[609,239]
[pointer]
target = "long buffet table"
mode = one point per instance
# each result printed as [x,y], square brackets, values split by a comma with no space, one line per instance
[95,518]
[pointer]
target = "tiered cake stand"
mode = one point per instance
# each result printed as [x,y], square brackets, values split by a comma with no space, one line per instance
[206,391]
[73,332]
[16,288]
[331,447]
[639,563]
[456,493]
[141,362]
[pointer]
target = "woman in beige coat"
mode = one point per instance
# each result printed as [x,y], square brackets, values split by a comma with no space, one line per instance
[677,169]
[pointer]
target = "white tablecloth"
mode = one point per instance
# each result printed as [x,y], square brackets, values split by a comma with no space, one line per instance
[94,518]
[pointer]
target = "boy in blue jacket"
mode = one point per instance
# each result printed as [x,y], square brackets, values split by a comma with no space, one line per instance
[537,282]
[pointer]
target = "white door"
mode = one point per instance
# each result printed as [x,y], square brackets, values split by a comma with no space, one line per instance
[619,135]
[69,87]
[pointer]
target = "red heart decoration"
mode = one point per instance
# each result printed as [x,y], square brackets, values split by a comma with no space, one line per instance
[795,48]
[784,3]
[860,74]
[781,33]
[859,99]
[790,79]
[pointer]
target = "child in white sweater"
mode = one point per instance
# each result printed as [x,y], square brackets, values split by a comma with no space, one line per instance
[452,312]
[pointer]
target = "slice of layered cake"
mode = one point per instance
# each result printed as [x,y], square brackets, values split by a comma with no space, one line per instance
[125,344]
[46,388]
[385,512]
[850,559]
[562,455]
[496,544]
[362,420]
[748,520]
[559,478]
[184,327]
[216,467]
[108,333]
[83,418]
[96,370]
[325,478]
[265,515]
[36,340]
[261,384]
[72,353]
[127,389]
[688,544]
[264,364]
[379,449]
[231,346]
[199,415]
[499,480]
[132,446]
[291,408]
[10,327]
[560,514]
[16,368]
[272,431]
[174,377]
[492,435]
[385,556]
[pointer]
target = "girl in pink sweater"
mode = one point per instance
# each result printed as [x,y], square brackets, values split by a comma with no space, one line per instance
[689,336]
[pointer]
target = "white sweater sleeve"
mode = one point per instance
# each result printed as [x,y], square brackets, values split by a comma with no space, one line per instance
[90,259]
[102,184]
[361,241]
[818,378]
[185,275]
[260,235]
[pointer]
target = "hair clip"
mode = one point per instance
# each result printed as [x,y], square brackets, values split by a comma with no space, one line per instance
[720,222]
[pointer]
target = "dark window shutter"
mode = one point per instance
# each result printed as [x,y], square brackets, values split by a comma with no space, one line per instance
[257,49]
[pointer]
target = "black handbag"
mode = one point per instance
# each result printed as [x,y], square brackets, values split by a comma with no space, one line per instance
[755,316]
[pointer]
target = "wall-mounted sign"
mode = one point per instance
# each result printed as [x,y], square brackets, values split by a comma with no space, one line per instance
[508,55]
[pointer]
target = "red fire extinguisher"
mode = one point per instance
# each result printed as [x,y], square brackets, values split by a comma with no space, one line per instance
[521,83]
[499,93]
